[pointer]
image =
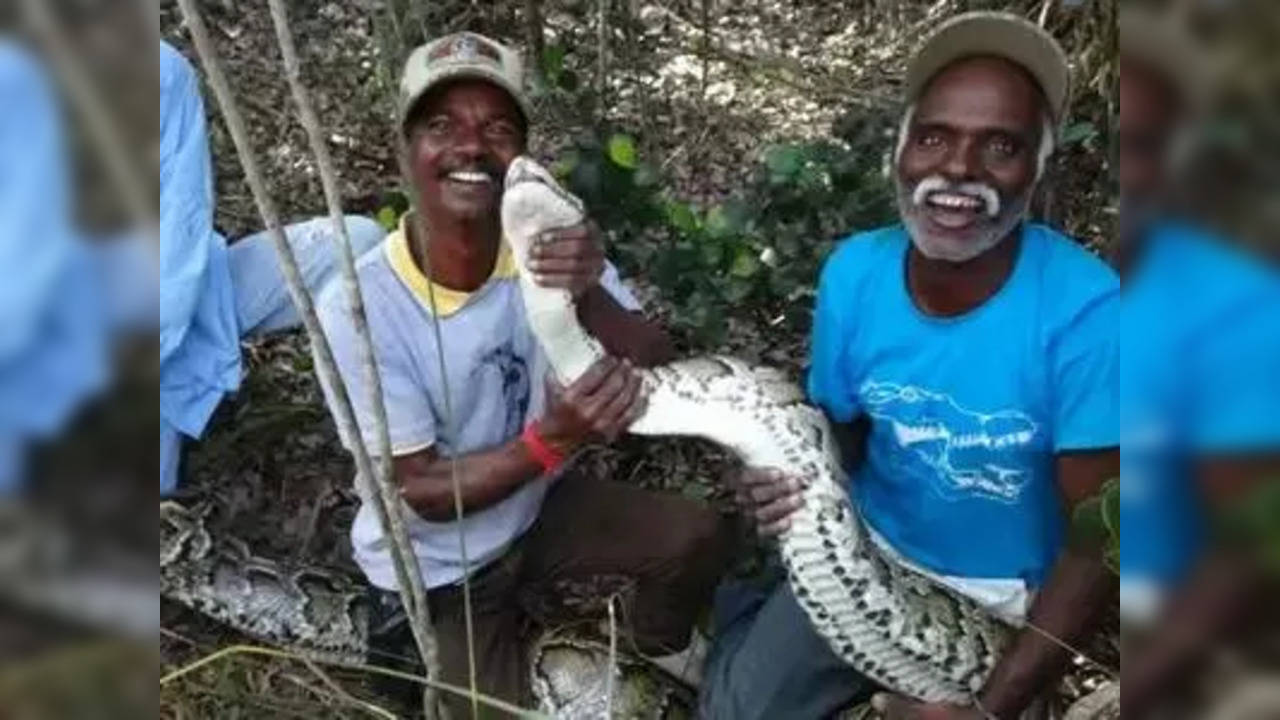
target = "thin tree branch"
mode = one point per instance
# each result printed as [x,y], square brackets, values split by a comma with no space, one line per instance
[533,35]
[397,55]
[388,505]
[602,54]
[101,126]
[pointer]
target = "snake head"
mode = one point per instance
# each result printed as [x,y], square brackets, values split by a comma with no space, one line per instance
[533,203]
[524,169]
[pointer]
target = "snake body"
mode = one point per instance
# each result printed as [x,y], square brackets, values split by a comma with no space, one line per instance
[315,612]
[891,624]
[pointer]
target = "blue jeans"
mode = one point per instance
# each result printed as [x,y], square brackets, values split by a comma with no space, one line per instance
[767,661]
[263,305]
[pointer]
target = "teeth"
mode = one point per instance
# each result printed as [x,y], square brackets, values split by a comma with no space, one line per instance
[471,177]
[952,200]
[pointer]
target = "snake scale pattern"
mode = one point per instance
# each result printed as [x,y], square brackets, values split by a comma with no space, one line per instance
[315,612]
[888,622]
[323,615]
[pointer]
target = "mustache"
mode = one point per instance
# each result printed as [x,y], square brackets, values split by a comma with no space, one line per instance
[936,183]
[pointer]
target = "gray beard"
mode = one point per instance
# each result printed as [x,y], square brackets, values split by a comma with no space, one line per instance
[936,248]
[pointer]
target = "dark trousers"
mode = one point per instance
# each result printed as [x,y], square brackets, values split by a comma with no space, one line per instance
[767,661]
[671,549]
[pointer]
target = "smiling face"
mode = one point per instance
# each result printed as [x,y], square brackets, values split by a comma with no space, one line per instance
[968,158]
[461,138]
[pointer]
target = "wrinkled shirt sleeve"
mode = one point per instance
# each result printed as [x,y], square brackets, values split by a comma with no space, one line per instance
[1084,366]
[199,337]
[52,343]
[35,238]
[186,196]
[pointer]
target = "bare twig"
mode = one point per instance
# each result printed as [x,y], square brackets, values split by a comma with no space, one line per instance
[533,35]
[345,696]
[613,659]
[1074,651]
[326,368]
[233,650]
[413,593]
[396,55]
[106,136]
[602,54]
[1044,13]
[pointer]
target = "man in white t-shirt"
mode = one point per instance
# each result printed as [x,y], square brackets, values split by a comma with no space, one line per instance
[479,404]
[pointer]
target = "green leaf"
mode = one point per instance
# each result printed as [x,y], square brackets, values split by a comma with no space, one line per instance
[745,263]
[1081,132]
[712,253]
[645,176]
[1111,508]
[721,222]
[622,151]
[784,161]
[1097,520]
[738,290]
[388,218]
[682,217]
[553,62]
[563,167]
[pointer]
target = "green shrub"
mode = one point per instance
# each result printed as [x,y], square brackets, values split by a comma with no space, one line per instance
[755,256]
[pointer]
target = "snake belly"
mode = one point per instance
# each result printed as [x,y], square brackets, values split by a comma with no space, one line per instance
[890,623]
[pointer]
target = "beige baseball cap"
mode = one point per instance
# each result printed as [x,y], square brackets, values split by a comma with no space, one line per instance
[464,55]
[1004,35]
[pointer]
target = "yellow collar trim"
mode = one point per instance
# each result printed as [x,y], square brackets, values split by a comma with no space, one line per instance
[447,300]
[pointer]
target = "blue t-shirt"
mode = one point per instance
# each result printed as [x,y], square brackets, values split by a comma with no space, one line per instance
[1200,374]
[967,412]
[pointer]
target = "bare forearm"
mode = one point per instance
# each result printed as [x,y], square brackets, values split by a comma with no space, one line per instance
[1069,606]
[484,478]
[622,332]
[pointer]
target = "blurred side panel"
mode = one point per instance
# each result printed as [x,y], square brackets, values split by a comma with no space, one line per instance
[1198,141]
[78,359]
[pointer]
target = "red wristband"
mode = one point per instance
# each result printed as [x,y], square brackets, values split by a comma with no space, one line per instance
[548,457]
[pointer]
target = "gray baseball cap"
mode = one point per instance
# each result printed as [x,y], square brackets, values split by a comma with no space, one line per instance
[461,56]
[998,34]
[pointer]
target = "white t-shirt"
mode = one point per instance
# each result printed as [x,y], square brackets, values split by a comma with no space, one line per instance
[495,370]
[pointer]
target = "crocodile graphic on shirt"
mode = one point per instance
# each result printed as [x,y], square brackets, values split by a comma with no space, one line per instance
[961,452]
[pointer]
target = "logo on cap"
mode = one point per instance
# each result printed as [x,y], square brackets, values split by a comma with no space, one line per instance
[465,48]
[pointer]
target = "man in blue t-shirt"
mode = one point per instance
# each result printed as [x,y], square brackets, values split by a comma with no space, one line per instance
[1199,379]
[968,358]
